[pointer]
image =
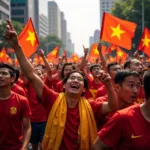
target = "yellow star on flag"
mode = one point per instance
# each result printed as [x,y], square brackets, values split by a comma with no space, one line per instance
[96,51]
[31,37]
[146,41]
[117,31]
[1,55]
[75,58]
[54,52]
[120,54]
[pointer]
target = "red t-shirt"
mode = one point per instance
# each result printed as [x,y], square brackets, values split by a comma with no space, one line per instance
[51,84]
[101,91]
[37,109]
[127,130]
[19,90]
[92,89]
[70,137]
[12,111]
[59,86]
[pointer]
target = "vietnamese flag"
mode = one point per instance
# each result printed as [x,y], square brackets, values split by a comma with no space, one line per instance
[117,31]
[53,55]
[145,42]
[120,54]
[94,53]
[111,48]
[111,59]
[75,58]
[3,56]
[28,39]
[9,60]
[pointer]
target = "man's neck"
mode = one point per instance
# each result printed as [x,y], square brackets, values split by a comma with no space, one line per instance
[5,93]
[72,100]
[123,104]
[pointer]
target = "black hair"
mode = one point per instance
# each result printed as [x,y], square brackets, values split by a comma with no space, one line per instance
[84,79]
[110,65]
[93,66]
[13,72]
[146,82]
[63,68]
[128,63]
[121,75]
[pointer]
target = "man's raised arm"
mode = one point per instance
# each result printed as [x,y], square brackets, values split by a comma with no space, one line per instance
[12,39]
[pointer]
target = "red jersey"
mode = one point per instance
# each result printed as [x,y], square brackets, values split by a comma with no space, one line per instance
[101,91]
[19,90]
[70,137]
[12,111]
[37,109]
[59,86]
[51,84]
[127,130]
[92,89]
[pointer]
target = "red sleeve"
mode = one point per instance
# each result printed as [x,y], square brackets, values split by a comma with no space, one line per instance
[97,108]
[48,97]
[26,112]
[58,87]
[111,132]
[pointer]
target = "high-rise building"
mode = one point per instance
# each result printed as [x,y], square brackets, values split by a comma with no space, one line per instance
[91,40]
[22,10]
[4,9]
[54,19]
[96,36]
[105,6]
[43,25]
[63,30]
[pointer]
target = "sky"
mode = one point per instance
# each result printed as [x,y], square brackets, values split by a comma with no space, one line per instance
[82,18]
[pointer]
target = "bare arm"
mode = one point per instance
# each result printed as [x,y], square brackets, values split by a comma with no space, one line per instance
[26,133]
[112,103]
[12,39]
[103,60]
[48,68]
[99,145]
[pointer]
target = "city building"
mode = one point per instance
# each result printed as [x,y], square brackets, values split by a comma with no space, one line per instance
[63,30]
[22,10]
[4,10]
[91,41]
[96,36]
[105,6]
[43,25]
[54,19]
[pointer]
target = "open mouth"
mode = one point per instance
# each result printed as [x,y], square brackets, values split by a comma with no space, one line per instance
[75,86]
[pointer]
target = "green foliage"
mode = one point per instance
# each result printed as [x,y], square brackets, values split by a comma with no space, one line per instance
[131,10]
[18,27]
[49,43]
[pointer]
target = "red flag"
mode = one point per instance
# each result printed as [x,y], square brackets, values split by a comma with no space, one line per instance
[121,55]
[145,42]
[75,58]
[94,53]
[3,56]
[117,31]
[28,39]
[111,48]
[53,55]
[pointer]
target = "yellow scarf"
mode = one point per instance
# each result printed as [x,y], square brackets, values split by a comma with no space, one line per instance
[56,124]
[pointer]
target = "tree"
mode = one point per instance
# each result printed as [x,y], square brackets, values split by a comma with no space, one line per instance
[131,10]
[18,27]
[49,43]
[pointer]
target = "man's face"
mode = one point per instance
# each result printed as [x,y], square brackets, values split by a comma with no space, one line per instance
[129,89]
[75,84]
[96,71]
[136,65]
[5,77]
[39,73]
[113,70]
[67,69]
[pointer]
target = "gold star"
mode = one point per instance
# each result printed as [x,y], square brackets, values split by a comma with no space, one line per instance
[146,41]
[1,54]
[54,52]
[120,54]
[96,51]
[75,58]
[31,37]
[117,31]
